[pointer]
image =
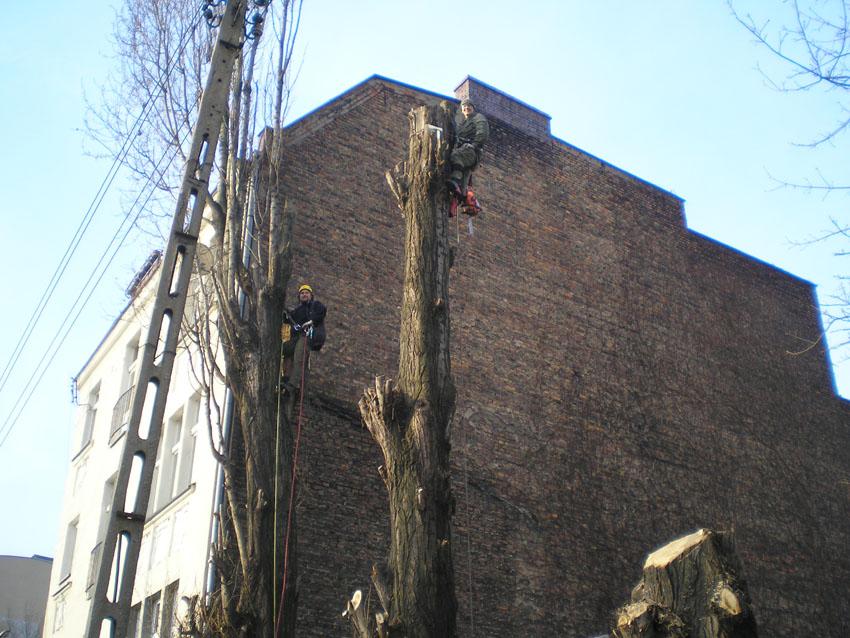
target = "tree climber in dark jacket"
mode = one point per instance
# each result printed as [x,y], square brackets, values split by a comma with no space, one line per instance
[309,317]
[470,136]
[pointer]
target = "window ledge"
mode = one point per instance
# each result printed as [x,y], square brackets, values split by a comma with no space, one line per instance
[64,585]
[170,505]
[117,435]
[83,450]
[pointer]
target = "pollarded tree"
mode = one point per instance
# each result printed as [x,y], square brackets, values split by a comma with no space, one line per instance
[410,419]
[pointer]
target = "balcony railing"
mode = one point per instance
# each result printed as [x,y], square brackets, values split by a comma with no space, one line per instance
[121,412]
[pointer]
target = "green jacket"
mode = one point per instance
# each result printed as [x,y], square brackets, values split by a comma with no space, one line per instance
[473,130]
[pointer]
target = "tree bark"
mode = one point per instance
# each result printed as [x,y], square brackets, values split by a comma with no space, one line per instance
[410,420]
[690,587]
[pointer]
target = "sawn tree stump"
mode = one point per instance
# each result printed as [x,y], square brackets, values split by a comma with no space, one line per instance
[691,587]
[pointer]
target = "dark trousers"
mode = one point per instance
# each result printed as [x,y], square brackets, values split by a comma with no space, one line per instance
[463,159]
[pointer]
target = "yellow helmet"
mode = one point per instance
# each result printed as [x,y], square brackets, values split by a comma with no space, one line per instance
[305,287]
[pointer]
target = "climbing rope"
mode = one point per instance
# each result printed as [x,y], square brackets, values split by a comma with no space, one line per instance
[467,509]
[280,370]
[468,531]
[292,487]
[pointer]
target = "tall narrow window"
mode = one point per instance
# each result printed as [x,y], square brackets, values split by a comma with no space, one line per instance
[106,506]
[133,621]
[90,416]
[121,411]
[105,513]
[151,616]
[131,358]
[169,609]
[59,613]
[68,550]
[190,437]
[80,474]
[168,460]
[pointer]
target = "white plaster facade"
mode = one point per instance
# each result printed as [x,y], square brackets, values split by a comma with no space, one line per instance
[173,558]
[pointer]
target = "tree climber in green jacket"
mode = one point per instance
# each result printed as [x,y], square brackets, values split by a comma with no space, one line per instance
[470,135]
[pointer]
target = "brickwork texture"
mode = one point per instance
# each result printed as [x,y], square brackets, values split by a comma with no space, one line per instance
[621,381]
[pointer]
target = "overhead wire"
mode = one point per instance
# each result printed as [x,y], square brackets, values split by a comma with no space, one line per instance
[29,388]
[36,376]
[93,208]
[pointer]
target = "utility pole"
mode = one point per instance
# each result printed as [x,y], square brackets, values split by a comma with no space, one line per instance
[110,608]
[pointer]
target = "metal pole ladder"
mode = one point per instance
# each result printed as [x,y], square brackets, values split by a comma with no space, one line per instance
[110,607]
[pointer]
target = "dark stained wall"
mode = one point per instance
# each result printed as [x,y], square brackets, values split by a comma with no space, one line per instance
[621,381]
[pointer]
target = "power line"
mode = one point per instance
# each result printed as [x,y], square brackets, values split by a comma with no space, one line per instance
[30,387]
[94,206]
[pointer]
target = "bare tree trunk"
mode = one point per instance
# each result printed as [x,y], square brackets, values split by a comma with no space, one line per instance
[411,420]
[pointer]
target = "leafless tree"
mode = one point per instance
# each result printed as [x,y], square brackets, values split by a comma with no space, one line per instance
[811,38]
[234,319]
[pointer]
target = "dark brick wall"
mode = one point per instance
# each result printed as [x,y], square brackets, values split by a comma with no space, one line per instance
[621,381]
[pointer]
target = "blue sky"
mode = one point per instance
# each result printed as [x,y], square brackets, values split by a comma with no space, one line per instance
[664,89]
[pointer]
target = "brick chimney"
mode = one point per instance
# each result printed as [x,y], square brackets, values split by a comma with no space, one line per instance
[495,104]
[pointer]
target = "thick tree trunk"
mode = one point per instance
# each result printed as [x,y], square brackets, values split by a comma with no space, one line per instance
[411,420]
[690,587]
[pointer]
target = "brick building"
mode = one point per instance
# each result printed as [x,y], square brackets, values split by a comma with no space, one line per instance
[621,381]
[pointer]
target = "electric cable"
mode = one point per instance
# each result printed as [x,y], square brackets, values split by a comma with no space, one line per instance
[93,208]
[30,387]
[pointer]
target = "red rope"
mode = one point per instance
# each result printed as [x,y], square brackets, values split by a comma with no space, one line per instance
[292,491]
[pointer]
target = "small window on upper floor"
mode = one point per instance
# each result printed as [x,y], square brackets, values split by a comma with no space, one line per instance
[176,455]
[131,363]
[80,472]
[92,399]
[68,549]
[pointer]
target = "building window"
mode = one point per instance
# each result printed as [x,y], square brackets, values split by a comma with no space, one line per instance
[190,438]
[68,550]
[151,616]
[90,416]
[105,512]
[121,410]
[159,542]
[131,359]
[167,461]
[133,621]
[173,468]
[169,611]
[58,614]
